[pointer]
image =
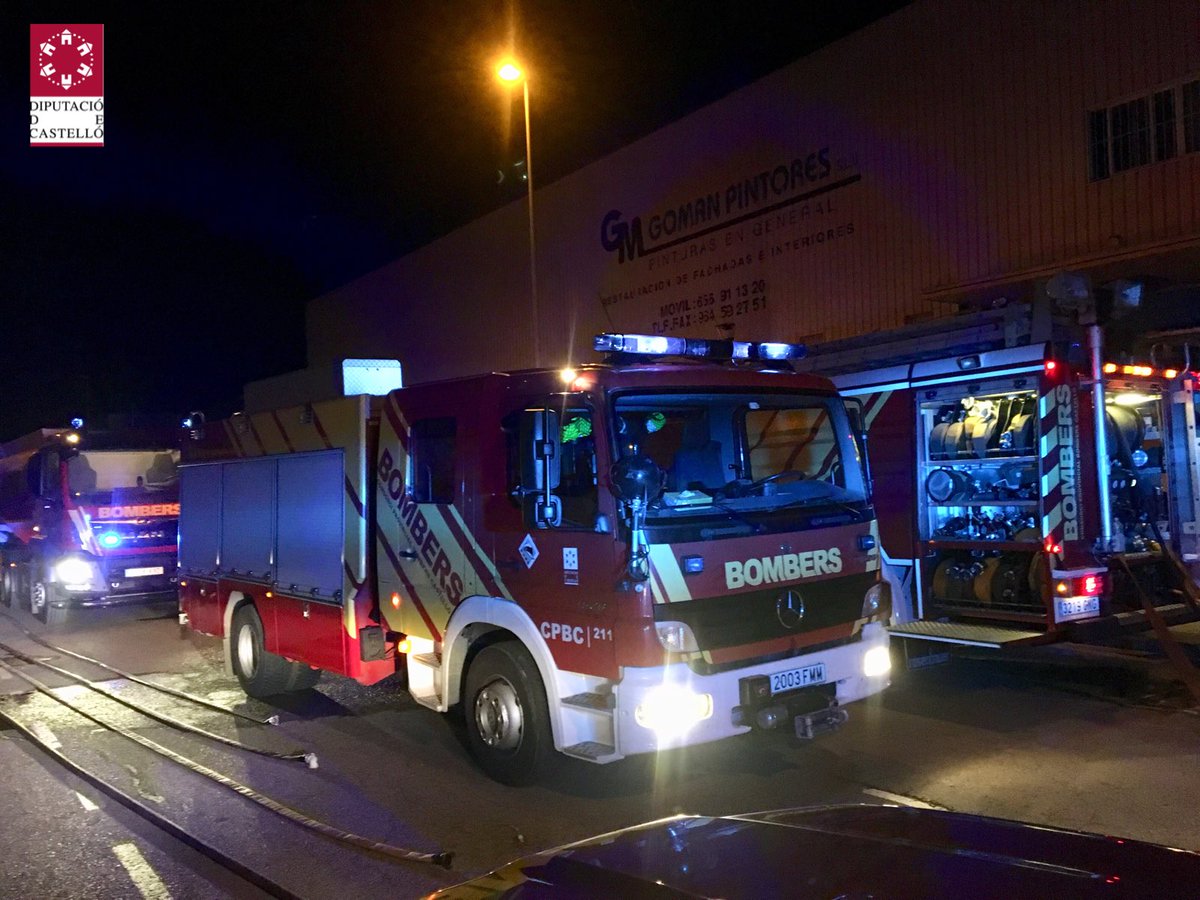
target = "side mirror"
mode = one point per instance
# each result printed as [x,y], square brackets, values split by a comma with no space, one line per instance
[637,479]
[541,465]
[858,419]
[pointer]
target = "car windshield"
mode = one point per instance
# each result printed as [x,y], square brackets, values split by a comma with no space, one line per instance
[742,453]
[100,472]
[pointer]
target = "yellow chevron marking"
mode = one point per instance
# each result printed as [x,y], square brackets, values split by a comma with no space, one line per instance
[1050,480]
[666,565]
[233,438]
[1051,520]
[486,560]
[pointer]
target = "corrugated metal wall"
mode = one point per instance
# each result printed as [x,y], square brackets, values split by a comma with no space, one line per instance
[956,130]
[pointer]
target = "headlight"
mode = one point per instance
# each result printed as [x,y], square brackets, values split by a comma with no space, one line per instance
[676,637]
[671,709]
[73,572]
[877,601]
[877,661]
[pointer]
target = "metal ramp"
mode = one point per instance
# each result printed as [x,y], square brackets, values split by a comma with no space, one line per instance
[967,634]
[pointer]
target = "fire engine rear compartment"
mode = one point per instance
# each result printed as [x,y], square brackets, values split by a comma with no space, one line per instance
[286,531]
[1003,492]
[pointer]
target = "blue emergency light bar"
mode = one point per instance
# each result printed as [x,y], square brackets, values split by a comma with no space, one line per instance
[662,345]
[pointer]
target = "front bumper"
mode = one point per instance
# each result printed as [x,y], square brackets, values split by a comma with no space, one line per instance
[139,575]
[845,682]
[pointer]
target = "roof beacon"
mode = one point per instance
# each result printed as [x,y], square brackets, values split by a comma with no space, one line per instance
[661,345]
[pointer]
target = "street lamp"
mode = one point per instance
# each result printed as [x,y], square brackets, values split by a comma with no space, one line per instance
[510,72]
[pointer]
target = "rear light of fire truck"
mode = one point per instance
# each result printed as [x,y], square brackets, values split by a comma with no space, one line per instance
[1085,586]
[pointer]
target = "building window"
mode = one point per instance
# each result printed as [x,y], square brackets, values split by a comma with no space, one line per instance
[432,455]
[1143,131]
[1191,117]
[1098,144]
[1164,125]
[1130,123]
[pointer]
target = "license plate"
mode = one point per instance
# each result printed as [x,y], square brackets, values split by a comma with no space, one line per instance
[146,570]
[798,678]
[1066,608]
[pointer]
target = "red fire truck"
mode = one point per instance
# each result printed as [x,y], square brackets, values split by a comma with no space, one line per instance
[1026,484]
[86,518]
[669,548]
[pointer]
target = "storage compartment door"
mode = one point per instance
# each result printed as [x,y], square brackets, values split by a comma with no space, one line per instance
[247,518]
[199,520]
[311,536]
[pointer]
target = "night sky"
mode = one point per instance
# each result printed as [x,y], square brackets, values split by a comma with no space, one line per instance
[259,154]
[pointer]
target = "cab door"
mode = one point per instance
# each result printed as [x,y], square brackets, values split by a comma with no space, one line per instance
[564,574]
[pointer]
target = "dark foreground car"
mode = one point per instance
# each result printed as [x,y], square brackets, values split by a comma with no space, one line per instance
[844,851]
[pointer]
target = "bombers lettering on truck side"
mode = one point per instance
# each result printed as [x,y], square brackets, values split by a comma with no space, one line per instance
[783,567]
[1066,461]
[425,542]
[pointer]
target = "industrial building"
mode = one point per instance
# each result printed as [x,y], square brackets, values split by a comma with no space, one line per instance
[955,151]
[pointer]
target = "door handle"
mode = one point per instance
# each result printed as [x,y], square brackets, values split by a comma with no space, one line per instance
[407,554]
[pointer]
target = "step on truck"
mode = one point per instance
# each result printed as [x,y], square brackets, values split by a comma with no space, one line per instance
[87,517]
[672,547]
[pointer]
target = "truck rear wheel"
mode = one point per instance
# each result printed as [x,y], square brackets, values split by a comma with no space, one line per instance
[261,673]
[508,725]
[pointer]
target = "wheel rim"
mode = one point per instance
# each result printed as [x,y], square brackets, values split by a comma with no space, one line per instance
[498,716]
[37,597]
[247,651]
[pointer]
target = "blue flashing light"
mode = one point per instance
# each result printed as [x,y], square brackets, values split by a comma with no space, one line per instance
[110,539]
[77,422]
[774,350]
[660,345]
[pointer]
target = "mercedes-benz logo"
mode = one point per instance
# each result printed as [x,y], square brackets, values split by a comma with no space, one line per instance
[789,609]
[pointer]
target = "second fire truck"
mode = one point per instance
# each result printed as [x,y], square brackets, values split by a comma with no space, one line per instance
[1028,483]
[87,517]
[673,547]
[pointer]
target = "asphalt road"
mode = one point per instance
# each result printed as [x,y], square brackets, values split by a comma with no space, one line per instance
[1094,739]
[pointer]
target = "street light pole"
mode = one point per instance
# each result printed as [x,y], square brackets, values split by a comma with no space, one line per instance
[510,72]
[533,300]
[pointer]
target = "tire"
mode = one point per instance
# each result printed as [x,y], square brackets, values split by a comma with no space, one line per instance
[263,674]
[508,725]
[8,585]
[42,597]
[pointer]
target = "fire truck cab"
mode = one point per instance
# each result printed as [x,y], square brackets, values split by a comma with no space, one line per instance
[673,547]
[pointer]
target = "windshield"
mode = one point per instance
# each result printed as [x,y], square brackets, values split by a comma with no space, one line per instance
[742,453]
[95,472]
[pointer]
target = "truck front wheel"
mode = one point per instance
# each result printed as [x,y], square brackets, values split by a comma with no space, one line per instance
[261,673]
[508,726]
[43,602]
[8,585]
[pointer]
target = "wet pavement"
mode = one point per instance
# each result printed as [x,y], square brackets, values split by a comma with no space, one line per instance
[1093,738]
